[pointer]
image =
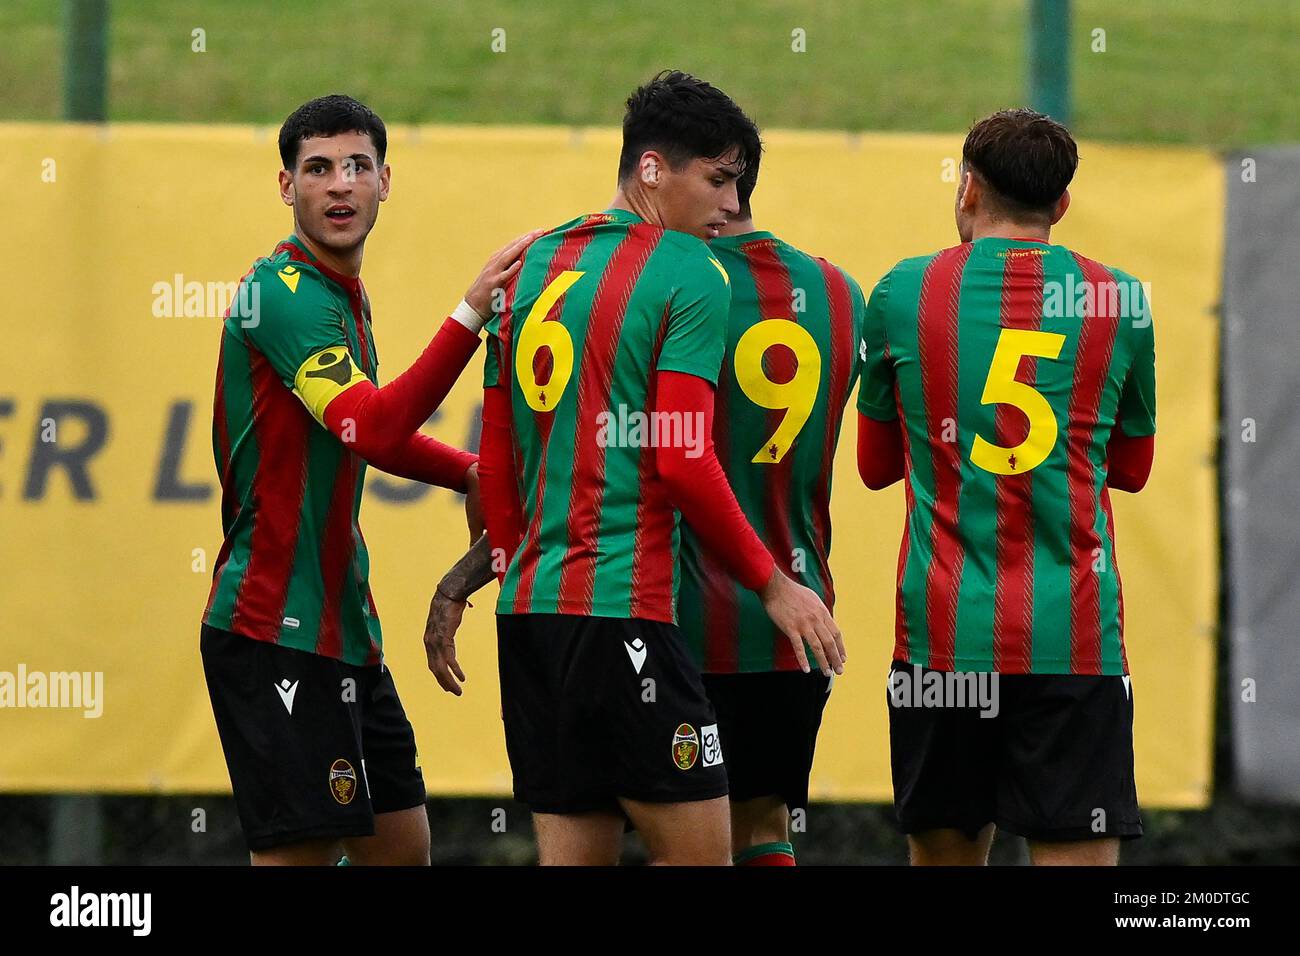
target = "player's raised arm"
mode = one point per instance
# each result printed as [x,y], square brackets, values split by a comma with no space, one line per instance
[380,424]
[696,484]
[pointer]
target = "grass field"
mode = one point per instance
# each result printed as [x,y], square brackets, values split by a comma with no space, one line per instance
[1214,72]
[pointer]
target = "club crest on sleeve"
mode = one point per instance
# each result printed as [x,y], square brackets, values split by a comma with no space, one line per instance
[343,781]
[335,366]
[686,746]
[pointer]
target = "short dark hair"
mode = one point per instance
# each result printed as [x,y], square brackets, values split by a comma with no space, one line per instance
[685,118]
[1026,158]
[747,182]
[329,116]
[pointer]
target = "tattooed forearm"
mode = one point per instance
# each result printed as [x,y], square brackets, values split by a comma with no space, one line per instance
[470,573]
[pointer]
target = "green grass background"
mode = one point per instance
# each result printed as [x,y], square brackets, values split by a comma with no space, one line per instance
[1212,72]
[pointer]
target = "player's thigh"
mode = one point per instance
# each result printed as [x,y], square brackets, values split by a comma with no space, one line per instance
[1075,853]
[1067,760]
[683,834]
[578,839]
[394,781]
[401,839]
[551,672]
[944,760]
[292,743]
[768,724]
[657,729]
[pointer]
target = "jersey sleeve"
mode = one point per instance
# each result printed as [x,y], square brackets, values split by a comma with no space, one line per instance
[859,316]
[300,332]
[876,391]
[492,354]
[697,319]
[1136,414]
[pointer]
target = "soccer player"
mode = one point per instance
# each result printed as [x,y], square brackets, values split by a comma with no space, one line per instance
[598,404]
[316,741]
[790,366]
[1013,382]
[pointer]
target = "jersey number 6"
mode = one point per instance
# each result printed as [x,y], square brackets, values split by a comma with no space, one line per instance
[536,334]
[1001,388]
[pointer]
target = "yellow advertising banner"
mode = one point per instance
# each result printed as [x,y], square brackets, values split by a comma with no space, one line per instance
[128,241]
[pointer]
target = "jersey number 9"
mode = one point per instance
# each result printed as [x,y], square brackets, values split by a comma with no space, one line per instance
[797,396]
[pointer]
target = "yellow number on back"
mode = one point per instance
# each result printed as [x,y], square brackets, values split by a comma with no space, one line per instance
[538,333]
[797,396]
[1001,388]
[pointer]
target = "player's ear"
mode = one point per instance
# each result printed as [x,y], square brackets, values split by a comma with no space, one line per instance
[651,168]
[970,192]
[385,181]
[286,187]
[1062,204]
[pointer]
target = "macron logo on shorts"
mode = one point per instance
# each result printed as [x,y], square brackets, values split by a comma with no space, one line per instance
[286,692]
[636,651]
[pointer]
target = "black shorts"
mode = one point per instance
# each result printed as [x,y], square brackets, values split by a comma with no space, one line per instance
[770,723]
[1054,762]
[597,708]
[311,756]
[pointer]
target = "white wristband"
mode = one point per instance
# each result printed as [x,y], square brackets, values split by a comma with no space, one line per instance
[468,317]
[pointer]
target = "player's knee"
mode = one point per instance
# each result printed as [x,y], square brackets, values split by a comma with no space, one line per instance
[305,853]
[406,852]
[703,853]
[950,848]
[758,821]
[401,839]
[1075,853]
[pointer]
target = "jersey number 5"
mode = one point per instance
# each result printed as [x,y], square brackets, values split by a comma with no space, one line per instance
[537,334]
[797,396]
[1001,388]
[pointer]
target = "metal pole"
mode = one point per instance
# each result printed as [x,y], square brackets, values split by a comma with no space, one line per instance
[85,60]
[1049,58]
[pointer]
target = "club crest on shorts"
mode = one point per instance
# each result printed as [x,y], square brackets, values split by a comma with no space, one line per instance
[686,746]
[343,781]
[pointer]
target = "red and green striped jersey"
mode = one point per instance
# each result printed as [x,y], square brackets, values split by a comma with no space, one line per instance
[601,305]
[790,366]
[293,569]
[1010,361]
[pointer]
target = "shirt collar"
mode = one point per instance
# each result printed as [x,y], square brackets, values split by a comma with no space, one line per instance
[352,284]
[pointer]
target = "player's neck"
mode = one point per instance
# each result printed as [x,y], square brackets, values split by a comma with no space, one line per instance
[738,227]
[348,264]
[635,201]
[1003,229]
